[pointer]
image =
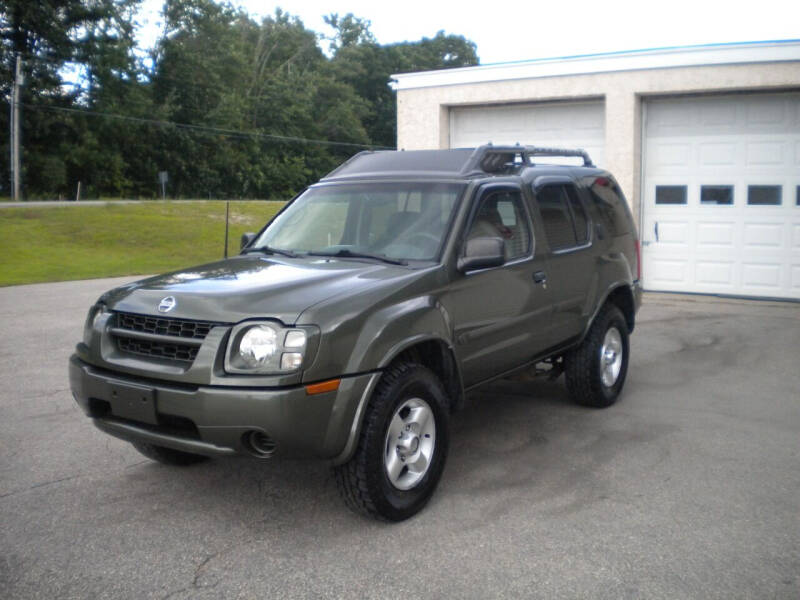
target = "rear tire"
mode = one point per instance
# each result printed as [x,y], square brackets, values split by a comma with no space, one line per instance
[168,456]
[402,447]
[595,371]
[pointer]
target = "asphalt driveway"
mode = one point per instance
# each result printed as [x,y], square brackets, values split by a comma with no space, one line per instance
[688,487]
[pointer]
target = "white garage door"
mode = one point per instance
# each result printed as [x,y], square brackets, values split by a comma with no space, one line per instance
[565,125]
[721,212]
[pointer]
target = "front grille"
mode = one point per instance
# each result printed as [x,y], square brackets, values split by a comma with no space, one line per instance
[158,349]
[186,336]
[183,328]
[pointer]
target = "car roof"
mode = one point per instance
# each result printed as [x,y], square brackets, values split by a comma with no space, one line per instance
[458,163]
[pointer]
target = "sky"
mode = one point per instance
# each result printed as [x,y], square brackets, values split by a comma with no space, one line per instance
[519,30]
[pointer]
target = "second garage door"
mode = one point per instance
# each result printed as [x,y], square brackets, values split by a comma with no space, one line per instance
[560,124]
[721,211]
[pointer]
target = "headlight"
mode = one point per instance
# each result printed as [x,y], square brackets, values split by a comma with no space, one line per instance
[97,311]
[265,348]
[258,346]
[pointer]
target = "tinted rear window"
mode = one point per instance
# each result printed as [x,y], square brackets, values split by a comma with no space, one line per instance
[579,215]
[556,220]
[612,208]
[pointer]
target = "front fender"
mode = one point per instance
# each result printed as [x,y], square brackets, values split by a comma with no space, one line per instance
[391,329]
[385,334]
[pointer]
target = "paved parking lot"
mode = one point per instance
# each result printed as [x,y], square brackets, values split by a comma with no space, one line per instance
[688,487]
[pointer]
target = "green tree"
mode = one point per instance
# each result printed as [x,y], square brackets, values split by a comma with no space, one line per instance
[261,85]
[349,31]
[218,67]
[367,67]
[92,38]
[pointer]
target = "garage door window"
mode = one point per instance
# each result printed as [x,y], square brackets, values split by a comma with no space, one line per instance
[563,217]
[670,194]
[716,194]
[764,195]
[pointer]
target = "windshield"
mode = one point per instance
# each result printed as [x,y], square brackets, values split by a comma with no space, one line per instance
[404,221]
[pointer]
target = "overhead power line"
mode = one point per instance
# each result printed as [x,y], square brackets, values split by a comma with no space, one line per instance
[203,128]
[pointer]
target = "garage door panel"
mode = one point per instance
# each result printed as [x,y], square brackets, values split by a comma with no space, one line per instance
[716,235]
[765,154]
[673,233]
[738,160]
[716,154]
[763,235]
[546,119]
[796,236]
[673,119]
[668,271]
[761,275]
[765,112]
[715,273]
[716,116]
[560,124]
[795,276]
[671,155]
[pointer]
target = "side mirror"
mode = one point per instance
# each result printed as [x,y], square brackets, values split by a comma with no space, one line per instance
[246,239]
[482,253]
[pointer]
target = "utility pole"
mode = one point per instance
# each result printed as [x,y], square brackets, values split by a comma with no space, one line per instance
[15,133]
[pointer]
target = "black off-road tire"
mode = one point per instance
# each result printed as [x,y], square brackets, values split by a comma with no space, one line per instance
[363,481]
[583,365]
[168,456]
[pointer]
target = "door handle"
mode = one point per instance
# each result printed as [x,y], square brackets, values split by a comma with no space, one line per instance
[655,229]
[540,277]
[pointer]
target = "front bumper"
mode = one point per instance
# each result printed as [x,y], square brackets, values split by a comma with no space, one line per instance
[216,420]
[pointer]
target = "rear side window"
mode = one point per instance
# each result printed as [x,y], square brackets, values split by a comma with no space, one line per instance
[610,203]
[579,215]
[563,216]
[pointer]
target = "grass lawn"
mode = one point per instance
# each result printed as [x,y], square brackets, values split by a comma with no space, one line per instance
[83,242]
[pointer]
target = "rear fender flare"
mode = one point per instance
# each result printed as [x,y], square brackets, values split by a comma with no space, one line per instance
[605,296]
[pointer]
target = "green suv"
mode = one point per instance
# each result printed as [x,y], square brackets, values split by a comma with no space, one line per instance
[353,324]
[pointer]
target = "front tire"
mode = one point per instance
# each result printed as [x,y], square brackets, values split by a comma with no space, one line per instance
[168,456]
[595,371]
[402,447]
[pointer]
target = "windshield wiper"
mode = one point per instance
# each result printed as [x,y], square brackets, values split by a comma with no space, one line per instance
[345,253]
[270,250]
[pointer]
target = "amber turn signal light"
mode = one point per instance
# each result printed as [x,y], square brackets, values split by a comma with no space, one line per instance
[325,386]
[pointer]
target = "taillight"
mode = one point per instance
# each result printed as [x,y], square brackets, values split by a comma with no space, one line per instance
[638,260]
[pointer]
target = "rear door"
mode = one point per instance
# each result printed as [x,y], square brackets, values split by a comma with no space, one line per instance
[501,315]
[571,273]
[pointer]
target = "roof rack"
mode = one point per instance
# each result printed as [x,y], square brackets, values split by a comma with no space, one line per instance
[459,162]
[494,159]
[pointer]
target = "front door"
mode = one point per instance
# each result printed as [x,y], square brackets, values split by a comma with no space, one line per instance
[501,315]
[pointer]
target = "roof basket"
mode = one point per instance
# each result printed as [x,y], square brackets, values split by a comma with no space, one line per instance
[498,159]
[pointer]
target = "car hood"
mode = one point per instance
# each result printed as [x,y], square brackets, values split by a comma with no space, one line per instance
[249,286]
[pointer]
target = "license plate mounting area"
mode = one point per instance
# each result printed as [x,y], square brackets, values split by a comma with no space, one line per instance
[134,402]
